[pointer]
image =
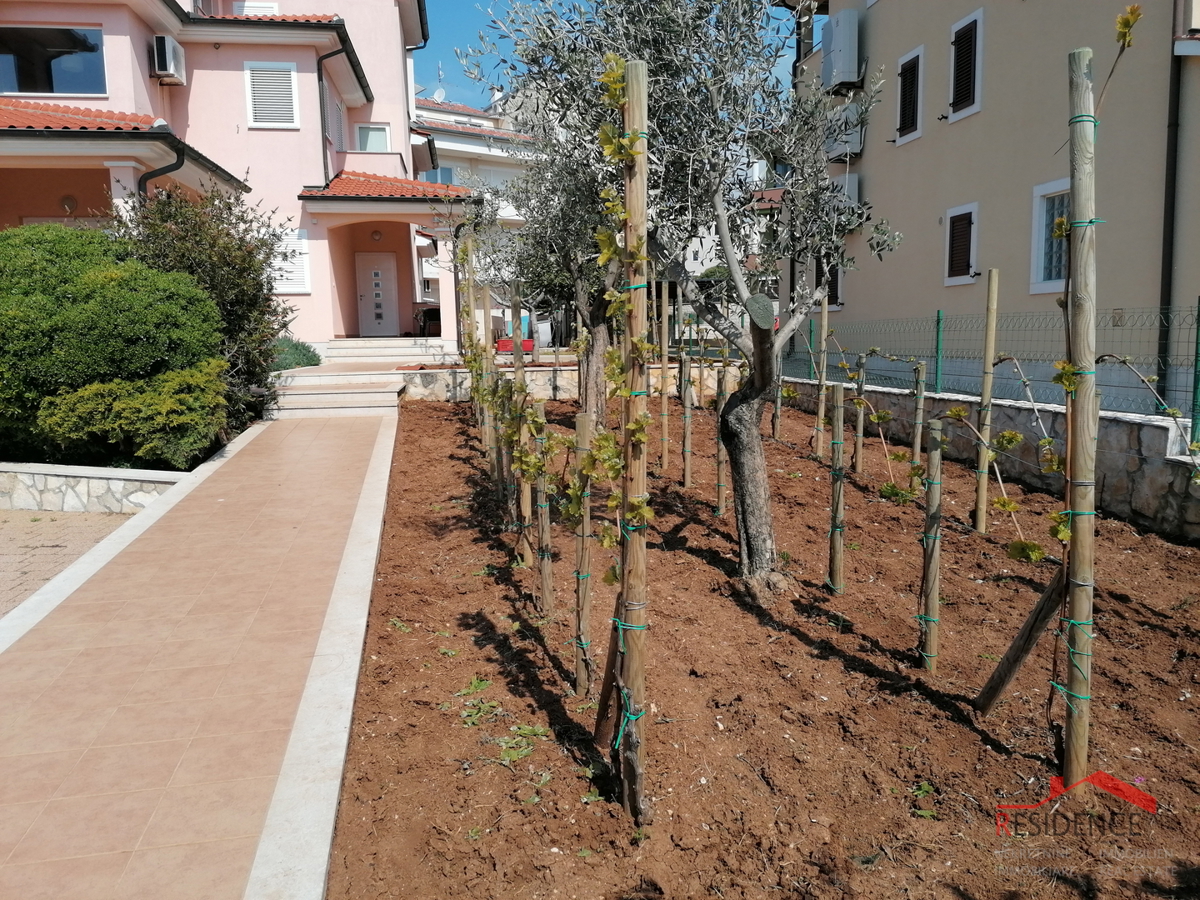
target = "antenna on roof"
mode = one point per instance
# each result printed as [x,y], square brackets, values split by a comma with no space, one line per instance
[439,95]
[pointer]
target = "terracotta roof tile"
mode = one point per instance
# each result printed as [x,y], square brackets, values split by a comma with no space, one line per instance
[446,106]
[25,114]
[477,130]
[359,184]
[272,18]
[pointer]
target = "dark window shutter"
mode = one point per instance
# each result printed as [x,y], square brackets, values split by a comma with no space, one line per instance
[964,66]
[908,96]
[960,246]
[829,279]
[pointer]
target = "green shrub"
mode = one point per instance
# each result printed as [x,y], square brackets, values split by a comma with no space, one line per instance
[172,418]
[293,354]
[73,314]
[231,249]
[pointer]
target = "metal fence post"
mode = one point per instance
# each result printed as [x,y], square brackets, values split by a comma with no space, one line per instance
[937,354]
[1195,435]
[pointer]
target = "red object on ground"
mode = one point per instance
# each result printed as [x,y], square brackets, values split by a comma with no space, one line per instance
[505,345]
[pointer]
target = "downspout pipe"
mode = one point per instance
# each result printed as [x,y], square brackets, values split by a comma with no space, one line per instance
[1170,192]
[143,185]
[321,103]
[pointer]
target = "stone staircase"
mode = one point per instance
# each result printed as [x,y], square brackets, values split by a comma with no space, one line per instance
[317,392]
[395,351]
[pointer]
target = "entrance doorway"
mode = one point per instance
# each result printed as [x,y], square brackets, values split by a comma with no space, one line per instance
[378,298]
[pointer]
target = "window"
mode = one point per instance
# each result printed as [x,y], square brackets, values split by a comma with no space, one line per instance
[966,70]
[833,283]
[1048,256]
[271,95]
[52,61]
[695,256]
[291,272]
[444,175]
[961,244]
[254,8]
[335,120]
[374,139]
[908,117]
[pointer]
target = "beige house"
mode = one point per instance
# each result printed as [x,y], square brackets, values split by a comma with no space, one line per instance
[964,155]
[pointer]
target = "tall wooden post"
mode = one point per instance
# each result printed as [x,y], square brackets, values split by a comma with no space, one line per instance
[629,745]
[685,395]
[518,331]
[860,413]
[722,453]
[533,328]
[664,376]
[837,508]
[777,405]
[918,419]
[822,369]
[584,663]
[1086,415]
[545,549]
[525,525]
[931,539]
[985,403]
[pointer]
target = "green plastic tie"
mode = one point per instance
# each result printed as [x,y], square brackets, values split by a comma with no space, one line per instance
[837,590]
[1071,651]
[1064,690]
[634,287]
[578,642]
[925,620]
[622,627]
[581,577]
[1085,223]
[1080,117]
[626,718]
[639,393]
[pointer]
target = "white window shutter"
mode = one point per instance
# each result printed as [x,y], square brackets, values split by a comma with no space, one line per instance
[291,272]
[254,8]
[339,126]
[272,94]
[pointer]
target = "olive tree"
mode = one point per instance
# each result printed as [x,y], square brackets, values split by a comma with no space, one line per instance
[734,151]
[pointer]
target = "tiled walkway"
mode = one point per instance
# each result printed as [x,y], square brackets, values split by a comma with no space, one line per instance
[144,721]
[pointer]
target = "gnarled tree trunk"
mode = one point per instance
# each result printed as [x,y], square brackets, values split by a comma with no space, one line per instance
[742,436]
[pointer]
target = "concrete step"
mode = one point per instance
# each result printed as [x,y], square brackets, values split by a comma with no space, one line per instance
[340,399]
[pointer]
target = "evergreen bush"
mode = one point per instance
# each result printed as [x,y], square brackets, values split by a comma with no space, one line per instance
[293,354]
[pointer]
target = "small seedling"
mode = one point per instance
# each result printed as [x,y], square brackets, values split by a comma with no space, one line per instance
[591,796]
[924,789]
[513,749]
[474,834]
[445,705]
[487,571]
[584,853]
[543,778]
[442,633]
[35,518]
[530,731]
[591,704]
[533,798]
[853,546]
[476,712]
[1026,551]
[892,491]
[925,813]
[400,626]
[475,686]
[639,836]
[989,657]
[447,652]
[785,557]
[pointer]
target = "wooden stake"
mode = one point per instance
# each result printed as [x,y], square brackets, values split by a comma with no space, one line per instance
[931,540]
[584,664]
[545,548]
[837,508]
[1080,572]
[822,365]
[664,377]
[1018,651]
[525,526]
[722,453]
[918,420]
[860,413]
[777,407]
[631,624]
[982,458]
[685,394]
[533,327]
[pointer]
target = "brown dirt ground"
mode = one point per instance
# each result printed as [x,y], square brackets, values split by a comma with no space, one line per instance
[786,745]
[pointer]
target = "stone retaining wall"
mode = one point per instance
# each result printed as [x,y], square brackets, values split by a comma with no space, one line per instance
[1143,474]
[81,488]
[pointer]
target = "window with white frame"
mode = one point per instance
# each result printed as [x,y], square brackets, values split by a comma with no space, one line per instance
[966,66]
[291,269]
[910,80]
[272,100]
[962,245]
[374,138]
[254,8]
[1048,254]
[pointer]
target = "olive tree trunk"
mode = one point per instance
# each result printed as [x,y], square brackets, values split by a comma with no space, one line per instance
[740,433]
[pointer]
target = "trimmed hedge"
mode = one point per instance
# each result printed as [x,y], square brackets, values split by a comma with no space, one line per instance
[293,354]
[74,314]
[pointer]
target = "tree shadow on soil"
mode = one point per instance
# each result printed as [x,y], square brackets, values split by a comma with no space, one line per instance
[522,673]
[957,707]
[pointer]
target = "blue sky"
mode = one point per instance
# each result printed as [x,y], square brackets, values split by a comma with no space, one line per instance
[452,23]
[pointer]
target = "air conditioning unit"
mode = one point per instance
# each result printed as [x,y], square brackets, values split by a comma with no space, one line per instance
[169,66]
[849,185]
[839,49]
[845,132]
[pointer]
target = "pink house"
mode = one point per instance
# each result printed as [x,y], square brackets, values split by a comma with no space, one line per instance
[307,103]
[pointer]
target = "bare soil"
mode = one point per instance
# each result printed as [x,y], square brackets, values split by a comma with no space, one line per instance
[795,749]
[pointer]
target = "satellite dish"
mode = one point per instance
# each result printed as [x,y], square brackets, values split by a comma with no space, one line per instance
[439,95]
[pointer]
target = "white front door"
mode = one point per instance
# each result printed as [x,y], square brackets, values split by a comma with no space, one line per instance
[378,299]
